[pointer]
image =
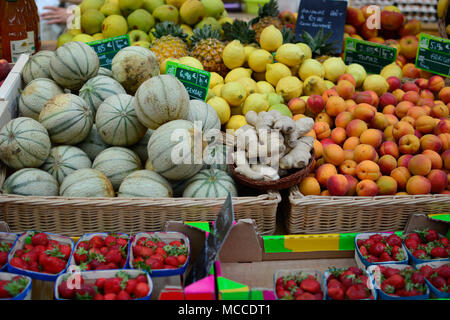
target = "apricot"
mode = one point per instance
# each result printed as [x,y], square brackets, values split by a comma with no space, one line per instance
[349,167]
[335,105]
[415,112]
[389,147]
[325,193]
[388,99]
[368,170]
[337,185]
[410,120]
[388,135]
[398,93]
[401,109]
[333,154]
[392,119]
[366,188]
[387,163]
[419,165]
[345,89]
[322,130]
[431,142]
[446,159]
[348,77]
[351,143]
[372,137]
[348,154]
[404,160]
[409,144]
[443,126]
[338,135]
[402,128]
[425,124]
[438,180]
[436,83]
[309,187]
[315,103]
[352,183]
[364,152]
[445,140]
[418,185]
[386,185]
[324,172]
[379,122]
[329,93]
[318,149]
[355,128]
[444,95]
[389,109]
[324,117]
[343,119]
[364,112]
[439,111]
[411,96]
[401,175]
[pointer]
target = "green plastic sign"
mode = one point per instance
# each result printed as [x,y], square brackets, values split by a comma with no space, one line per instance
[372,56]
[196,81]
[106,49]
[433,54]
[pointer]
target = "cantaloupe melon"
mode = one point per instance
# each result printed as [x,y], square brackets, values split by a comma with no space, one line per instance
[145,183]
[210,183]
[161,99]
[97,89]
[172,152]
[38,66]
[86,183]
[131,66]
[205,114]
[116,163]
[141,146]
[104,72]
[35,95]
[24,142]
[93,144]
[64,160]
[117,123]
[31,182]
[67,118]
[74,63]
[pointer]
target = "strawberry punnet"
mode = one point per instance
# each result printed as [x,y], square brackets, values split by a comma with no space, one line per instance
[439,277]
[426,244]
[406,282]
[299,286]
[5,247]
[379,248]
[11,288]
[348,284]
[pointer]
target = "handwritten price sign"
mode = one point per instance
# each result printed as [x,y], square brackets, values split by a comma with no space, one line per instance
[195,81]
[106,49]
[433,54]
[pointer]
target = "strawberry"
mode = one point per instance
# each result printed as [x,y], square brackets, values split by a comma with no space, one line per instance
[283,294]
[385,257]
[363,251]
[18,263]
[431,235]
[414,236]
[65,292]
[438,282]
[394,240]
[372,258]
[146,252]
[420,254]
[319,296]
[176,243]
[110,296]
[39,239]
[137,250]
[390,272]
[123,295]
[336,293]
[141,290]
[141,278]
[172,261]
[444,271]
[295,292]
[427,271]
[356,292]
[161,251]
[417,277]
[397,281]
[444,241]
[114,256]
[376,237]
[100,283]
[98,296]
[65,250]
[110,240]
[96,242]
[438,252]
[154,263]
[310,285]
[377,249]
[54,265]
[355,270]
[3,258]
[347,278]
[131,284]
[411,244]
[19,253]
[86,292]
[112,286]
[387,288]
[181,259]
[122,242]
[81,255]
[290,284]
[305,296]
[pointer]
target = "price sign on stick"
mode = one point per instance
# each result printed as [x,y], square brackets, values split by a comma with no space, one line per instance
[372,56]
[196,81]
[433,54]
[106,49]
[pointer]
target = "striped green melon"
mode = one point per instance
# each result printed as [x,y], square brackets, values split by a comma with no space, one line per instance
[210,183]
[217,156]
[86,182]
[117,123]
[161,99]
[131,66]
[97,89]
[145,183]
[74,63]
[64,160]
[24,142]
[67,118]
[104,72]
[38,66]
[165,150]
[116,163]
[31,182]
[93,144]
[141,146]
[205,114]
[35,96]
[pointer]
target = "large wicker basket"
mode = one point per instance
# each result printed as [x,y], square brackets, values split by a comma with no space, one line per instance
[324,214]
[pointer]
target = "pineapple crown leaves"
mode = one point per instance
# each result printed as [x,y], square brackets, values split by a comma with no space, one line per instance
[239,30]
[318,43]
[14,287]
[55,252]
[206,32]
[288,35]
[270,9]
[167,28]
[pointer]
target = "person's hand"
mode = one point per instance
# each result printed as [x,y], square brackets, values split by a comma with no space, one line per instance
[56,15]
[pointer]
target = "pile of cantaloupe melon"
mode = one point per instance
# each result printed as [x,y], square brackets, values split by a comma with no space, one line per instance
[86,131]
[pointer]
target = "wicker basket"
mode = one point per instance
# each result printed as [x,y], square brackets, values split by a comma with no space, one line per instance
[442,24]
[323,214]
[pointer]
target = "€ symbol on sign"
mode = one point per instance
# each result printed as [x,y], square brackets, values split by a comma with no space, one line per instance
[74,280]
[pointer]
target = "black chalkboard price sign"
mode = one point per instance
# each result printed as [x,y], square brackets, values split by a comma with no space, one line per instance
[372,56]
[106,49]
[433,54]
[328,15]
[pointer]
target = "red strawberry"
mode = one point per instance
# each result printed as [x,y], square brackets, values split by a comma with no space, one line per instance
[83,244]
[114,256]
[439,252]
[411,244]
[141,290]
[19,253]
[319,296]
[122,242]
[123,295]
[427,271]
[103,250]
[65,250]
[347,278]
[385,257]
[334,283]
[355,270]
[394,240]
[3,258]
[438,282]
[336,293]
[420,254]
[363,251]
[65,292]
[137,250]
[161,252]
[390,272]
[281,293]
[110,296]
[387,288]
[18,263]
[154,264]
[444,271]
[417,277]
[431,235]
[356,292]
[377,249]
[372,258]
[296,292]
[172,261]
[39,239]
[305,296]
[98,296]
[110,240]
[176,243]
[444,241]
[181,259]
[30,257]
[141,278]
[414,236]
[397,281]
[54,265]
[96,242]
[310,285]
[112,285]
[290,284]
[376,237]
[100,283]
[146,252]
[86,291]
[131,284]
[40,249]
[359,243]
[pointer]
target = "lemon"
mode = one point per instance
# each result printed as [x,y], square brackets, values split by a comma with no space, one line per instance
[98,36]
[233,55]
[276,71]
[314,85]
[285,111]
[83,38]
[256,102]
[222,108]
[234,93]
[235,122]
[334,68]
[289,87]
[258,60]
[218,89]
[392,69]
[210,95]
[290,54]
[294,70]
[162,66]
[264,87]
[329,84]
[358,72]
[377,83]
[215,79]
[271,38]
[274,98]
[311,67]
[248,50]
[249,85]
[191,62]
[306,49]
[238,73]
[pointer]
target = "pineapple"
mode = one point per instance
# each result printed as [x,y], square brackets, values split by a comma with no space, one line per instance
[267,15]
[208,49]
[239,30]
[169,42]
[320,49]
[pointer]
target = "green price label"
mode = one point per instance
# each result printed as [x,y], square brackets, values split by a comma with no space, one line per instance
[433,54]
[106,49]
[196,81]
[372,56]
